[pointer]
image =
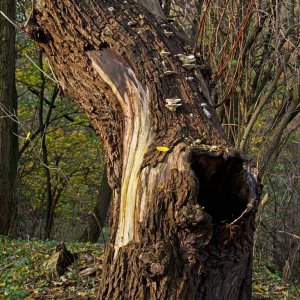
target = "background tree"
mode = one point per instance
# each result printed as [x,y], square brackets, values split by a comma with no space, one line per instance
[97,219]
[59,164]
[258,62]
[277,241]
[8,118]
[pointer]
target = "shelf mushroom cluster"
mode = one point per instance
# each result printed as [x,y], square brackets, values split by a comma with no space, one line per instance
[173,103]
[188,61]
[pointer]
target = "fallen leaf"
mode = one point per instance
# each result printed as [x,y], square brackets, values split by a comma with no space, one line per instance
[162,148]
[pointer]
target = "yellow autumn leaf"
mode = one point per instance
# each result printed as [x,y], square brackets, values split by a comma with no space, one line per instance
[27,136]
[162,148]
[2,284]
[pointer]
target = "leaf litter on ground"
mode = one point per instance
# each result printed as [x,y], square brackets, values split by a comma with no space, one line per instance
[24,273]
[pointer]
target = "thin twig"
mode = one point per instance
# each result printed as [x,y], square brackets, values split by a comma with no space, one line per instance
[41,69]
[11,21]
[291,234]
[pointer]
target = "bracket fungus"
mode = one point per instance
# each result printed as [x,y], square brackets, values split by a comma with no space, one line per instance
[188,61]
[190,66]
[205,110]
[190,78]
[173,103]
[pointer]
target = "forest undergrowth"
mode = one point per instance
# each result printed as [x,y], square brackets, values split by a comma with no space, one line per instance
[24,273]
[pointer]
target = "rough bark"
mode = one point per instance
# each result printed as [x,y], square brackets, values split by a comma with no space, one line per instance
[8,121]
[182,220]
[99,215]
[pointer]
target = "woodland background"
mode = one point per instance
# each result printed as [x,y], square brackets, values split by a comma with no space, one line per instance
[253,50]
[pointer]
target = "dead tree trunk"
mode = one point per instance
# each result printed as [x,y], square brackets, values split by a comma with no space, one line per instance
[183,199]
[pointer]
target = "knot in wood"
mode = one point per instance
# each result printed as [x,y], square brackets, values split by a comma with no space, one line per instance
[157,270]
[155,263]
[191,216]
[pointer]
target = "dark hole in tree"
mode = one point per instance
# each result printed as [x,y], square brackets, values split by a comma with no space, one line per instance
[223,189]
[88,47]
[103,46]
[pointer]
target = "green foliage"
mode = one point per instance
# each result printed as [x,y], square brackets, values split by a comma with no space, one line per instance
[75,163]
[21,263]
[74,153]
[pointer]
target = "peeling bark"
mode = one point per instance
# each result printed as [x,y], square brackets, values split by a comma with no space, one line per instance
[182,220]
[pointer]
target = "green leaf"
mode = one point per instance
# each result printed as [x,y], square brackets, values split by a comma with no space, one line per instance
[233,62]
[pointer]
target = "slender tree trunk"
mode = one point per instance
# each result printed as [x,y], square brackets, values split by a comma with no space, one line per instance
[49,197]
[99,215]
[184,200]
[8,117]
